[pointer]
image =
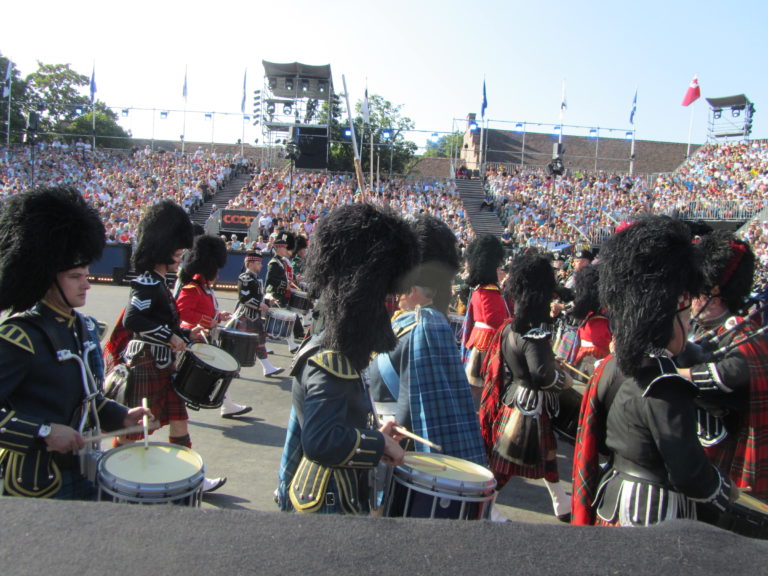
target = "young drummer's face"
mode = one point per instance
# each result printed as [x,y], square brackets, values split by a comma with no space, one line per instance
[74,285]
[176,261]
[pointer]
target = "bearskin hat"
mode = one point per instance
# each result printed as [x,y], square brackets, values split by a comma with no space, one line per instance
[301,242]
[44,232]
[438,259]
[729,268]
[644,271]
[532,286]
[586,292]
[207,257]
[357,257]
[484,255]
[164,229]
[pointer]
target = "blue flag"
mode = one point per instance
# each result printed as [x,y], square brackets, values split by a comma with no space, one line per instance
[184,91]
[634,109]
[242,104]
[485,102]
[93,84]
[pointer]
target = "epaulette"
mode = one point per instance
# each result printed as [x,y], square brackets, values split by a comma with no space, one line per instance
[335,363]
[93,325]
[536,334]
[404,324]
[246,277]
[17,336]
[146,279]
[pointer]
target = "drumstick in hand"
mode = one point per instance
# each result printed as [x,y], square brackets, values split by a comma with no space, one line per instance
[416,438]
[145,423]
[574,369]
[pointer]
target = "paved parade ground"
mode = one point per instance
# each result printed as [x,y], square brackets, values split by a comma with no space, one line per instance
[247,449]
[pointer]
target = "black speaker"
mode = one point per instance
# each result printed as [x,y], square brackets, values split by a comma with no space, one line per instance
[33,122]
[313,143]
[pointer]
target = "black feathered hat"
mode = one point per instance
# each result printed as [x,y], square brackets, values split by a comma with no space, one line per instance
[438,259]
[646,271]
[484,256]
[586,291]
[532,286]
[301,242]
[729,268]
[207,257]
[164,229]
[44,232]
[358,256]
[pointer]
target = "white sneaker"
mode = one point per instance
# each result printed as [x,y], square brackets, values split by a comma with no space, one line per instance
[213,484]
[229,409]
[497,516]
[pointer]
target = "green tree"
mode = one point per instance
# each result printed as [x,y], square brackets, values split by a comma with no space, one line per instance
[109,134]
[445,145]
[387,124]
[54,91]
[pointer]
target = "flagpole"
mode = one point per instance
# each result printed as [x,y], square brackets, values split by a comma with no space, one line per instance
[93,107]
[690,132]
[8,124]
[358,166]
[371,159]
[184,117]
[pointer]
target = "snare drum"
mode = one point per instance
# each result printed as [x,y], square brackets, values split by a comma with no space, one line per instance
[160,474]
[566,423]
[241,345]
[280,323]
[457,323]
[299,302]
[204,374]
[438,486]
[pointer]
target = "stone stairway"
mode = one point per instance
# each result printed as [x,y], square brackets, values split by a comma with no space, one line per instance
[472,195]
[230,190]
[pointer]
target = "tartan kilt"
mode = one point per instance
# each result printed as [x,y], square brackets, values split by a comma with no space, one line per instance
[546,467]
[146,380]
[255,326]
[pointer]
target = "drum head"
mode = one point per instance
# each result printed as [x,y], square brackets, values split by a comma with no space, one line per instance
[214,357]
[282,315]
[158,464]
[234,334]
[444,473]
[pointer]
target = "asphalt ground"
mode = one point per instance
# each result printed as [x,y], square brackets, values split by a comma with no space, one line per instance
[247,450]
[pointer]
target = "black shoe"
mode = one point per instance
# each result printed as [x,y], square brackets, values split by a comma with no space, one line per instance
[565,518]
[274,373]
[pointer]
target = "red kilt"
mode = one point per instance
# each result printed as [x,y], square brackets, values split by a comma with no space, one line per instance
[146,380]
[545,468]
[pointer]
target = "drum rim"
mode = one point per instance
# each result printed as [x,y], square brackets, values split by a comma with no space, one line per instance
[191,349]
[112,484]
[433,481]
[463,496]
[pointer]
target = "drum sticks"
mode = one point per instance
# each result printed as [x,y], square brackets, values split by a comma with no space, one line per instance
[145,423]
[416,438]
[574,369]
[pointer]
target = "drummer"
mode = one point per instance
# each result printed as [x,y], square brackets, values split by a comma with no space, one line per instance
[149,335]
[358,255]
[251,306]
[422,381]
[47,239]
[197,302]
[279,283]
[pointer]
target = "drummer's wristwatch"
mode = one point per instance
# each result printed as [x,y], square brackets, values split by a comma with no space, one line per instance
[44,431]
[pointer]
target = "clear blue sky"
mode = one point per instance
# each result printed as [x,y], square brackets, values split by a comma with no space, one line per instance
[429,56]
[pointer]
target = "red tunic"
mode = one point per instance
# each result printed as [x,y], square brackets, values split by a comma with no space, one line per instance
[594,338]
[196,303]
[487,312]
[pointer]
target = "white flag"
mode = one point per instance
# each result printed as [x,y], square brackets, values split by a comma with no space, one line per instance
[7,83]
[364,109]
